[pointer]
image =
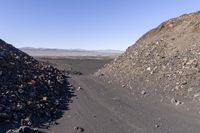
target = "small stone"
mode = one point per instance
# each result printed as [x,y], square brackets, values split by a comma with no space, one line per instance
[123,86]
[76,128]
[178,103]
[157,42]
[196,95]
[17,57]
[173,100]
[157,126]
[29,102]
[49,82]
[79,88]
[184,83]
[143,92]
[20,90]
[57,102]
[44,98]
[70,85]
[82,129]
[149,68]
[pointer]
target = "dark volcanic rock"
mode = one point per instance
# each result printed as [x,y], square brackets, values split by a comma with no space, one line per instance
[29,89]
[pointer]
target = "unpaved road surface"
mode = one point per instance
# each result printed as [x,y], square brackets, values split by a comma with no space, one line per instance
[102,108]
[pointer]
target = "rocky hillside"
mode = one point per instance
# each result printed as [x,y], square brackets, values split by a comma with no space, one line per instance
[166,59]
[29,89]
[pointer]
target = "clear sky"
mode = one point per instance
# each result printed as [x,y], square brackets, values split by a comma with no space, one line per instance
[86,24]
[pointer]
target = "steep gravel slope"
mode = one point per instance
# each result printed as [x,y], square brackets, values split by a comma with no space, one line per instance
[166,59]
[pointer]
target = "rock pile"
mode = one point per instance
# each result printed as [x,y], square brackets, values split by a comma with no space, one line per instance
[166,58]
[29,89]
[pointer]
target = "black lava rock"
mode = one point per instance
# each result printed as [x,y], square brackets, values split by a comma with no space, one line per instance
[29,88]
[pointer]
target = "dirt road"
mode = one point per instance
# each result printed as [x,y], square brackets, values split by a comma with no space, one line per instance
[100,107]
[103,108]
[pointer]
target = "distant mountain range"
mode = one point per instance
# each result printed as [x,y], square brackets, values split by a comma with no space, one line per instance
[69,52]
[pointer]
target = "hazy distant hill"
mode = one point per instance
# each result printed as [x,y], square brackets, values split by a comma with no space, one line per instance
[69,52]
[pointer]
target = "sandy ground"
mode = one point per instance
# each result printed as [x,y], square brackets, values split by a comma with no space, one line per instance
[100,107]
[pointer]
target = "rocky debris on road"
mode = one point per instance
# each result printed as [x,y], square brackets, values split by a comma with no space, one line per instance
[79,129]
[176,102]
[166,58]
[29,89]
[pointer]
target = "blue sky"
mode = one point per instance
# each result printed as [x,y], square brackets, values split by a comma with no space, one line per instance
[86,24]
